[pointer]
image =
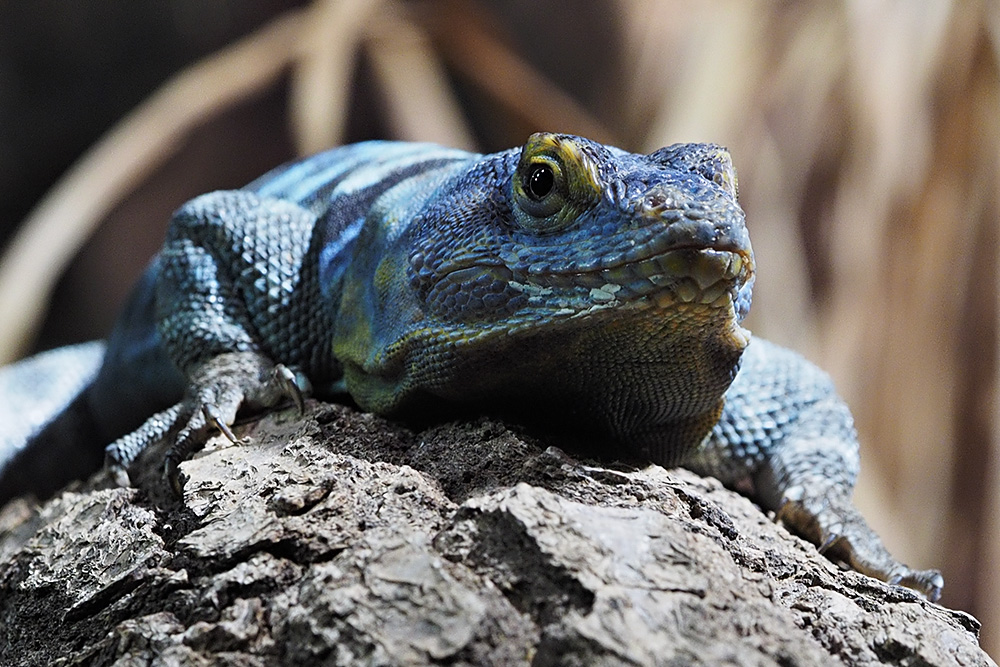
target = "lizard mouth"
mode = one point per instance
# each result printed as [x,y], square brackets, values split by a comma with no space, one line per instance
[679,277]
[685,275]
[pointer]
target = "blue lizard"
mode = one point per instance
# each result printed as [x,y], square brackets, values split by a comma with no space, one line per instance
[565,281]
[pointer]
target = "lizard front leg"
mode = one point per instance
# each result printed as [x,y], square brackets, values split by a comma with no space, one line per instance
[232,286]
[803,481]
[784,429]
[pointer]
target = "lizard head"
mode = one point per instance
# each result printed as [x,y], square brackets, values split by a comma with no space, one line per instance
[569,229]
[594,286]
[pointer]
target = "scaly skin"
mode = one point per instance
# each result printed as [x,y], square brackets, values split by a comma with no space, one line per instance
[567,282]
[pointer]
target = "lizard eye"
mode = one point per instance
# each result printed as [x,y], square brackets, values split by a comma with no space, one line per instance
[540,181]
[542,191]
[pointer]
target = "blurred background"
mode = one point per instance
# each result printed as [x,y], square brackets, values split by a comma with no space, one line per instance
[866,134]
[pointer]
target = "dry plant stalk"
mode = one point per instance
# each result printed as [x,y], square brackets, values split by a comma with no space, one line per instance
[119,162]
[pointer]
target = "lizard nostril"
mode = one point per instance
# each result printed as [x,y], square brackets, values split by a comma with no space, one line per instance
[657,200]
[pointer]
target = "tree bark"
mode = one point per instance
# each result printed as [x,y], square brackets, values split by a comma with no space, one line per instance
[341,538]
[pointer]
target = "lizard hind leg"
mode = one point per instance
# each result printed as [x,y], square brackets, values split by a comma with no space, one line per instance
[219,387]
[808,481]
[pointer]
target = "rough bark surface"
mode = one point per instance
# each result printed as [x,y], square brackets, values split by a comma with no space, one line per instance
[340,538]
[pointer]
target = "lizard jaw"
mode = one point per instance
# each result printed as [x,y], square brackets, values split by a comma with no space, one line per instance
[682,276]
[697,274]
[676,278]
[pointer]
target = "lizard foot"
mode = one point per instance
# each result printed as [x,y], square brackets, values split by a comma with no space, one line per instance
[827,517]
[218,388]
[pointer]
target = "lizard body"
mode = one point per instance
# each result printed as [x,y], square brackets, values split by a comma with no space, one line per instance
[599,290]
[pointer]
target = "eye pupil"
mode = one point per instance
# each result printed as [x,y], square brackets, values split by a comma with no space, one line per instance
[540,181]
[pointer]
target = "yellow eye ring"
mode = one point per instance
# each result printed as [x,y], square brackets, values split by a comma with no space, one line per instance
[555,181]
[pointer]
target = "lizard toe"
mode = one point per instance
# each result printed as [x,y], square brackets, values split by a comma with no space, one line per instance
[929,583]
[813,515]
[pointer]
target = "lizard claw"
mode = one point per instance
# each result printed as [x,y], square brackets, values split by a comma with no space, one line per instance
[828,543]
[193,435]
[812,516]
[289,384]
[173,474]
[929,582]
[213,418]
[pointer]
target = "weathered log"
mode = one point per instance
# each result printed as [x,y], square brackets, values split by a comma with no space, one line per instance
[342,538]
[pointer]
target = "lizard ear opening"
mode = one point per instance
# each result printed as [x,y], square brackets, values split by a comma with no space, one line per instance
[553,184]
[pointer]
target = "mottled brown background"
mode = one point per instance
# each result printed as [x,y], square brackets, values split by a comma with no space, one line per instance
[866,134]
